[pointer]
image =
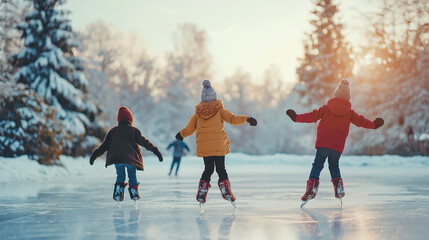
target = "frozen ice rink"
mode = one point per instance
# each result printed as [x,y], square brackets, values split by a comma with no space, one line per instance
[385,199]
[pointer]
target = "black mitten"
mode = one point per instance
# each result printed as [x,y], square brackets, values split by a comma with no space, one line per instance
[252,121]
[292,114]
[158,154]
[378,122]
[92,158]
[179,137]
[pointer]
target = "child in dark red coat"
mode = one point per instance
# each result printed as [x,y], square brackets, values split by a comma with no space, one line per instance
[122,146]
[335,118]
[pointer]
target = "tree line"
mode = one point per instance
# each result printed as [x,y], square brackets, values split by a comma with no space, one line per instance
[61,88]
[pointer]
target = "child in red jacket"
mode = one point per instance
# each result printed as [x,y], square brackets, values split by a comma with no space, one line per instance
[335,118]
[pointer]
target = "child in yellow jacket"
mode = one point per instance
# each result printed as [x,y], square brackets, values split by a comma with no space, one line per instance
[212,141]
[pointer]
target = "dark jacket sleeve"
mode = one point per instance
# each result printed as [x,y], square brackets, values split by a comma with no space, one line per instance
[104,145]
[142,141]
[313,116]
[169,146]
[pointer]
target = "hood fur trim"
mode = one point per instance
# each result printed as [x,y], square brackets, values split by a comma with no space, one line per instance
[207,109]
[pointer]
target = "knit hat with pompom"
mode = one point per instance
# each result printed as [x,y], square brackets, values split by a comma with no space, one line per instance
[343,90]
[208,94]
[124,114]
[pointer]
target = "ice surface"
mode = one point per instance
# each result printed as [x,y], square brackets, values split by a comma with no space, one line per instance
[382,201]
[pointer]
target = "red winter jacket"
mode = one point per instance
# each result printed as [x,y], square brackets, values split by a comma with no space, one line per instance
[335,121]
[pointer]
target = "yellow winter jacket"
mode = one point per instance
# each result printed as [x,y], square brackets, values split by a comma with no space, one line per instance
[208,122]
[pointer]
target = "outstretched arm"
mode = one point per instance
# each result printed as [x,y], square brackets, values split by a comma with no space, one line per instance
[190,127]
[186,146]
[169,146]
[142,141]
[230,118]
[361,121]
[310,117]
[102,148]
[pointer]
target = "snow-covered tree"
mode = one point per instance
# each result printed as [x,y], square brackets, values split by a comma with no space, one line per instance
[48,66]
[119,66]
[27,125]
[395,82]
[12,12]
[179,85]
[327,55]
[239,98]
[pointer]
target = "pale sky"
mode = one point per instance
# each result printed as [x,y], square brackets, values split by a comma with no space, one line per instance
[251,35]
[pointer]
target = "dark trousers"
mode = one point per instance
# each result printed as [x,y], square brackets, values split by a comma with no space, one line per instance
[176,160]
[209,165]
[333,160]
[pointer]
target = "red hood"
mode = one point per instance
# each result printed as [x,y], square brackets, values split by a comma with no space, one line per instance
[339,106]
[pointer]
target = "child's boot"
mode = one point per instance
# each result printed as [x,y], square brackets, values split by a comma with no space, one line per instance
[312,188]
[203,189]
[225,190]
[134,192]
[338,187]
[118,191]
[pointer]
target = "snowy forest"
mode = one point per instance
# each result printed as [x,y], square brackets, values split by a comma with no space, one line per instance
[61,89]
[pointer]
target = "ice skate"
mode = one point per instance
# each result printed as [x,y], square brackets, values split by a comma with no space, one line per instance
[134,192]
[339,189]
[203,189]
[311,191]
[225,190]
[118,191]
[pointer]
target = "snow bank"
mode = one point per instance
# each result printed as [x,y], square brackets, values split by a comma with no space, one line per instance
[22,169]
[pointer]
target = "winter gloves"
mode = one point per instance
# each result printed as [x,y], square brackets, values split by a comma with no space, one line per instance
[292,114]
[93,157]
[378,122]
[179,137]
[158,154]
[252,121]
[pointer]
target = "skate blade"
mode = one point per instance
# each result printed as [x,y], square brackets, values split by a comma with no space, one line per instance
[201,208]
[233,203]
[305,202]
[136,204]
[341,200]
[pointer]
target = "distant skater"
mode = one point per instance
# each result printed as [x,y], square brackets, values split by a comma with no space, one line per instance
[212,141]
[335,118]
[179,148]
[122,146]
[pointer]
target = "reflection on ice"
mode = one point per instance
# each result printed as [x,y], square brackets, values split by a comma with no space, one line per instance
[316,224]
[127,229]
[203,227]
[225,228]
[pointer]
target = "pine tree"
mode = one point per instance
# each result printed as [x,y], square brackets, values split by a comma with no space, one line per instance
[27,125]
[11,13]
[48,66]
[327,55]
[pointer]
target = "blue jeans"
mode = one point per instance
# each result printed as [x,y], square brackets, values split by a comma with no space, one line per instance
[333,160]
[120,172]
